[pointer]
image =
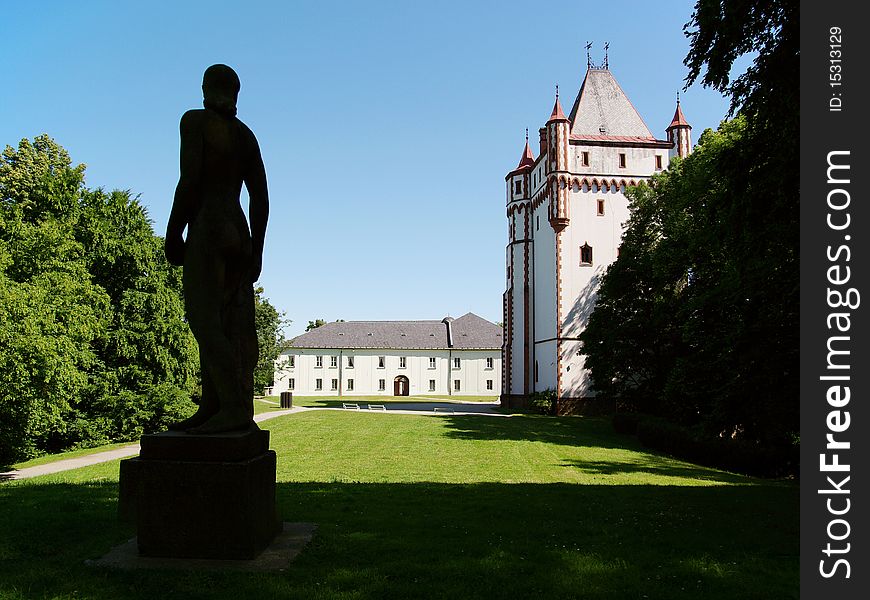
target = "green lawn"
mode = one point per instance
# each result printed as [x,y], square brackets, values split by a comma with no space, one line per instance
[444,507]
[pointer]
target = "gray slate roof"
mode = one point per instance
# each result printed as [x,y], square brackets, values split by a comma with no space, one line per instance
[468,332]
[601,103]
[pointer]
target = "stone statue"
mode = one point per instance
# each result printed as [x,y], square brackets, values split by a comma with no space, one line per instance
[222,257]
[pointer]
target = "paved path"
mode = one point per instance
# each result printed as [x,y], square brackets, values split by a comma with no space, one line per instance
[100,457]
[441,408]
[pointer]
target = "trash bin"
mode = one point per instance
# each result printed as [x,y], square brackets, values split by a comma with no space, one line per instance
[286,399]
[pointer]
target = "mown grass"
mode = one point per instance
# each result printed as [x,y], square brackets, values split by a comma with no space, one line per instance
[444,507]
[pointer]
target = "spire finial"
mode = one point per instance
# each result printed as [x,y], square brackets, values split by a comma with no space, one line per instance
[527,135]
[678,96]
[588,56]
[557,91]
[606,61]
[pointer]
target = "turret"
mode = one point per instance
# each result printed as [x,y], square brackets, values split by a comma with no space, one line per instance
[680,134]
[518,180]
[558,131]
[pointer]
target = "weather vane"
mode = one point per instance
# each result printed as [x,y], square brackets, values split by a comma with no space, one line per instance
[588,56]
[606,62]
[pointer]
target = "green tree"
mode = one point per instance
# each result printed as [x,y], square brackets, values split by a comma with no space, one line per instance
[93,344]
[270,338]
[315,324]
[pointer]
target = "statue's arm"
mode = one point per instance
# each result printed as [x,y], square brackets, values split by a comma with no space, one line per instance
[185,191]
[258,209]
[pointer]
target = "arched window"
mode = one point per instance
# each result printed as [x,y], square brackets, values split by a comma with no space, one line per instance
[585,254]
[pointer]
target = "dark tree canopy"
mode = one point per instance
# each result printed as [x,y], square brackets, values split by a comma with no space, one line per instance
[697,320]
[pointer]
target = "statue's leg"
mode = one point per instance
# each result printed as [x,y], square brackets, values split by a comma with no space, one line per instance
[205,288]
[208,404]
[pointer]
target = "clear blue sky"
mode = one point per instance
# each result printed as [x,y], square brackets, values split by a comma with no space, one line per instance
[386,127]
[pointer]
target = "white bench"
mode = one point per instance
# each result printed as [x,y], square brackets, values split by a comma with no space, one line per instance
[350,405]
[442,409]
[377,407]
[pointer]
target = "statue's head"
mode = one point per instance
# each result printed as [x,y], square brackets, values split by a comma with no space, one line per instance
[220,89]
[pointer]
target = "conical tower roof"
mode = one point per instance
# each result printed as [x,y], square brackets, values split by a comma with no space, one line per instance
[527,159]
[679,119]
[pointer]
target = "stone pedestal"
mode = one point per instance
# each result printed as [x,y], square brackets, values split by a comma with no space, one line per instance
[201,496]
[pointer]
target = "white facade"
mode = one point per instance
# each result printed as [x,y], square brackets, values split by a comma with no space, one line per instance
[391,371]
[566,212]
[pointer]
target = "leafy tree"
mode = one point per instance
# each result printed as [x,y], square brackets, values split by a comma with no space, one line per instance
[93,345]
[270,339]
[315,324]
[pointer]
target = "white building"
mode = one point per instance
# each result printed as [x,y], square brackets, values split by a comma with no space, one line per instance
[394,358]
[566,213]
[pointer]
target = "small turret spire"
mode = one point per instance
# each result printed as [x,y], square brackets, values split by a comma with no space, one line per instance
[557,113]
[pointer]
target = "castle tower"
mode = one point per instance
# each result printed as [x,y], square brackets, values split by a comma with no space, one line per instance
[679,134]
[516,304]
[566,212]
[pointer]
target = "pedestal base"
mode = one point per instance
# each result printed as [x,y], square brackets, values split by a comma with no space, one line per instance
[193,507]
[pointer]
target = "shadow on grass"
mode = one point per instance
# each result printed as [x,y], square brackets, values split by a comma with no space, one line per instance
[566,431]
[656,465]
[427,540]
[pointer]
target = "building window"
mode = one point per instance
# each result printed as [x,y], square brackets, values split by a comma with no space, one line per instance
[333,361]
[622,160]
[600,207]
[381,361]
[431,385]
[489,362]
[518,186]
[382,385]
[536,371]
[489,384]
[584,159]
[318,362]
[431,362]
[585,254]
[334,385]
[457,364]
[318,384]
[350,362]
[456,385]
[537,222]
[291,385]
[403,362]
[291,361]
[350,385]
[658,162]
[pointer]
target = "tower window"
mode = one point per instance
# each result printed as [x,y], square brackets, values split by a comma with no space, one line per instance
[600,207]
[518,186]
[622,160]
[585,254]
[658,162]
[584,159]
[537,222]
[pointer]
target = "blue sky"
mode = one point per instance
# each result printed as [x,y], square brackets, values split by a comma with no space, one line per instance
[386,127]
